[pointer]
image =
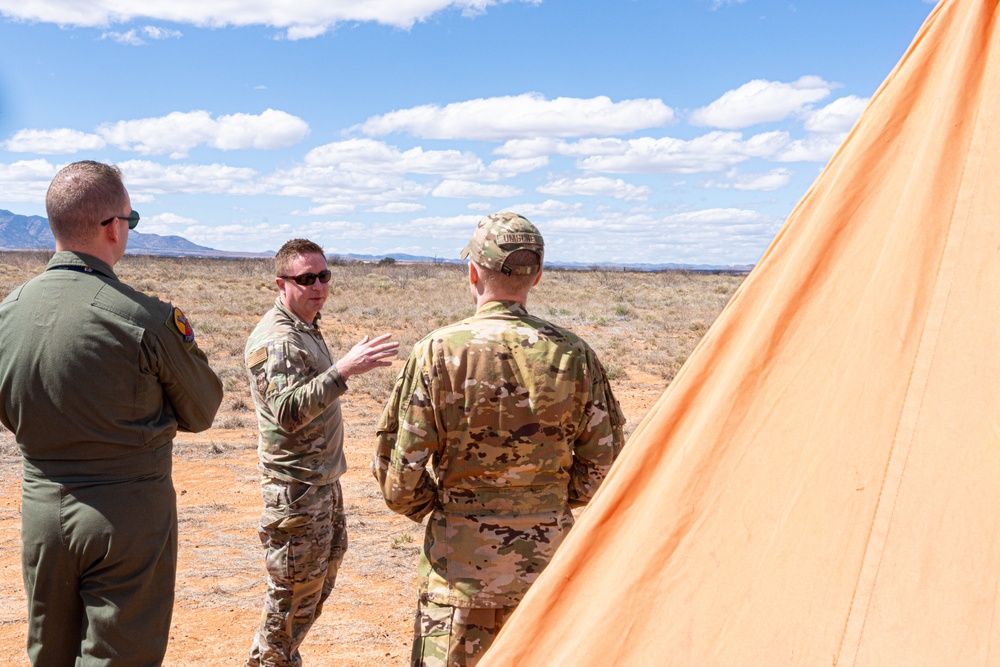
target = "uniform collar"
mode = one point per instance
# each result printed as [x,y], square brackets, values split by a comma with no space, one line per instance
[296,321]
[491,307]
[80,262]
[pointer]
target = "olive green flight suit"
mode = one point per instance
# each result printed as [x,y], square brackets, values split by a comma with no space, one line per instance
[95,380]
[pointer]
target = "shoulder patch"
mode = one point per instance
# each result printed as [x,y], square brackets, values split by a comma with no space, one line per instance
[257,357]
[182,325]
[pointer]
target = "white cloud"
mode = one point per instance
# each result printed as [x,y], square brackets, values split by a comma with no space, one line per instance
[329,209]
[728,216]
[469,190]
[26,180]
[152,178]
[816,148]
[329,185]
[61,141]
[167,224]
[369,156]
[302,19]
[761,101]
[527,115]
[714,151]
[179,132]
[767,181]
[398,207]
[134,37]
[596,186]
[547,208]
[508,167]
[837,116]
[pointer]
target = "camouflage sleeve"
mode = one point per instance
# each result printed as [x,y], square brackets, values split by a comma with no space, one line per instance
[288,382]
[600,440]
[402,455]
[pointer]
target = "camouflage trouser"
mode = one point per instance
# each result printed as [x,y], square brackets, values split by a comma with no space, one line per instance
[446,636]
[304,533]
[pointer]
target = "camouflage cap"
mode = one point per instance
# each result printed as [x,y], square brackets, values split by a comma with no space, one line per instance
[500,234]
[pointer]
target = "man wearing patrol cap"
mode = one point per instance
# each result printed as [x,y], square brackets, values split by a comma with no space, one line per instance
[497,426]
[95,381]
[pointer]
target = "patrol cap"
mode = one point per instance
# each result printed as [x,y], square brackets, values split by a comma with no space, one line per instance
[500,234]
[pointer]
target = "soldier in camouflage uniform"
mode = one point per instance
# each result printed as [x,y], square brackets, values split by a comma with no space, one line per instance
[497,426]
[296,389]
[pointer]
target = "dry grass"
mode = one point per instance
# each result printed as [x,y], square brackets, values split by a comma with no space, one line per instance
[642,325]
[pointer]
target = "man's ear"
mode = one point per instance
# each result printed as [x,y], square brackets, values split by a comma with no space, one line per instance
[112,231]
[538,277]
[473,274]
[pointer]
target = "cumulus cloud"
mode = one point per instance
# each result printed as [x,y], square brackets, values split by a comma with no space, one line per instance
[62,141]
[398,207]
[508,167]
[527,115]
[468,190]
[815,148]
[167,224]
[714,151]
[369,156]
[135,36]
[179,132]
[596,186]
[26,180]
[300,20]
[147,177]
[761,101]
[837,116]
[767,181]
[330,185]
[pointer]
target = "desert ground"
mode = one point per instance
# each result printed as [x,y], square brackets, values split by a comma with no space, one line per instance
[642,325]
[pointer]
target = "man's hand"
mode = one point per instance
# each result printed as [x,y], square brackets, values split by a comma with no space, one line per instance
[368,354]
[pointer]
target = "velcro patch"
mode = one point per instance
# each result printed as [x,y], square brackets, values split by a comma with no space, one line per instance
[256,357]
[183,326]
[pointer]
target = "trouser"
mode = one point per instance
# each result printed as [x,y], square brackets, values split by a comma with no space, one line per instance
[98,561]
[304,533]
[446,636]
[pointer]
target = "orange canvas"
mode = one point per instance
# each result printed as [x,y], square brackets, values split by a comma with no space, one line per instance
[821,483]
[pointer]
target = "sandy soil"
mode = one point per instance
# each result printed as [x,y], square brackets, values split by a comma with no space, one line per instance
[220,580]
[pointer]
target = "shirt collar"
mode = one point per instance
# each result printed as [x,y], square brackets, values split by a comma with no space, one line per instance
[491,307]
[296,320]
[81,260]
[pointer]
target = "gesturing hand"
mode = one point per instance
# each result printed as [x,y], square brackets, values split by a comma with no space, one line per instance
[368,354]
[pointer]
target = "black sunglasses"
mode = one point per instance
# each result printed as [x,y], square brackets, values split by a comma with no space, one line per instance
[133,219]
[307,279]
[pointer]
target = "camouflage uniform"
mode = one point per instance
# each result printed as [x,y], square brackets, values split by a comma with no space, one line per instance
[496,427]
[296,389]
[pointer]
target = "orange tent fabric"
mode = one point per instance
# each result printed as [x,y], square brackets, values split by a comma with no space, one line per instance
[821,483]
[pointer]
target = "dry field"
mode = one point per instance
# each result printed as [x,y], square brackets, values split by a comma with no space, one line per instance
[643,327]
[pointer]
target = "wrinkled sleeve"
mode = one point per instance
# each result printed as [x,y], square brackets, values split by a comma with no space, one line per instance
[600,439]
[189,383]
[289,384]
[407,438]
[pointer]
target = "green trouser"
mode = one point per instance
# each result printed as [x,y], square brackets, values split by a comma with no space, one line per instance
[98,560]
[446,636]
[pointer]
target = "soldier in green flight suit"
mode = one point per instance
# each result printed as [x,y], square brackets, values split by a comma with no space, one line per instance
[497,426]
[95,381]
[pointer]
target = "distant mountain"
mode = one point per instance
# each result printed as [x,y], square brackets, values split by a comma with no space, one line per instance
[21,232]
[31,232]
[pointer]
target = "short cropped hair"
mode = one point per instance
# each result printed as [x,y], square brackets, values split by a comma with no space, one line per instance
[292,249]
[515,282]
[81,196]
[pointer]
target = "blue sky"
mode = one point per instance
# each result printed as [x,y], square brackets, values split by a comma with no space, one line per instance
[627,130]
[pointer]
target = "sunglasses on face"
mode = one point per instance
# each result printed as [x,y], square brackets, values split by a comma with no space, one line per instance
[307,279]
[133,219]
